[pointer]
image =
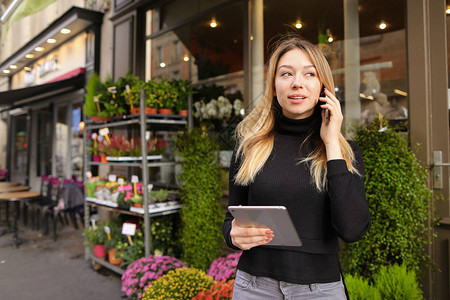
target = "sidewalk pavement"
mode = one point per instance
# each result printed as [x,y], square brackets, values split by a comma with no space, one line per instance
[41,268]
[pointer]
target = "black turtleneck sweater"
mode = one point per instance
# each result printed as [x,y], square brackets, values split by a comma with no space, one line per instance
[319,217]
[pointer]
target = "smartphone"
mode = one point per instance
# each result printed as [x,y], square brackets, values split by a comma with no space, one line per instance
[327,112]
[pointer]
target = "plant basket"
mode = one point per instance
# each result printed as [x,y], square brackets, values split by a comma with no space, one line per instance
[183,113]
[100,119]
[112,258]
[99,251]
[103,158]
[148,111]
[165,111]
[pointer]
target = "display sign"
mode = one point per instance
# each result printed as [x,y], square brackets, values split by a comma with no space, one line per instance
[128,229]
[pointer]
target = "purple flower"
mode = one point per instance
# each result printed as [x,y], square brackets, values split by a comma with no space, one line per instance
[224,267]
[140,274]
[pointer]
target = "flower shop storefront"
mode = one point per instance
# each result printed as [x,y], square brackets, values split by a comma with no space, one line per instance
[222,47]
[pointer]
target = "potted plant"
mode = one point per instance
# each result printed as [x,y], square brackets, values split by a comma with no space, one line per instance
[132,92]
[166,93]
[112,240]
[160,196]
[93,106]
[130,252]
[185,88]
[95,238]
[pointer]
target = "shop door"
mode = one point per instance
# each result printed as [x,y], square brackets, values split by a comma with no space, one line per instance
[19,148]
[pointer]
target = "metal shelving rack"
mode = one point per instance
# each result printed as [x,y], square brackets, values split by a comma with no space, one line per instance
[143,120]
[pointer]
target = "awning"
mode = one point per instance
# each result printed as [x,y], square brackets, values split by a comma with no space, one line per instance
[20,97]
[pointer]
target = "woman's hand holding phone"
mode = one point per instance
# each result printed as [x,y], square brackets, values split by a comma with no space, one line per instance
[331,129]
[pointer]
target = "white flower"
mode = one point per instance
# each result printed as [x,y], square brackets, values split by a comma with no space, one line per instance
[198,107]
[238,105]
[211,109]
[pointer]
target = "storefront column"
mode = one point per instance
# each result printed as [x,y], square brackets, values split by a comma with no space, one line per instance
[429,124]
[351,58]
[257,55]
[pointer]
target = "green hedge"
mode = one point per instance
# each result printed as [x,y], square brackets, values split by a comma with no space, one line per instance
[390,282]
[398,199]
[201,215]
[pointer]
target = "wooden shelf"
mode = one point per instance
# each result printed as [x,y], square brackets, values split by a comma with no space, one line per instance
[106,264]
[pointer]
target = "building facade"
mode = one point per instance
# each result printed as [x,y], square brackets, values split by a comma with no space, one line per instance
[387,58]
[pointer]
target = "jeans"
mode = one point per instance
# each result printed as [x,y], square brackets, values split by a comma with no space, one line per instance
[249,287]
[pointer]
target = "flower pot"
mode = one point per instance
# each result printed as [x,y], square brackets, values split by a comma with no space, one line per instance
[103,158]
[151,111]
[135,111]
[137,205]
[183,113]
[99,251]
[96,157]
[100,119]
[165,111]
[148,111]
[112,259]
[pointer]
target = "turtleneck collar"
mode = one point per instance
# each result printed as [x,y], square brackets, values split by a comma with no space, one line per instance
[294,127]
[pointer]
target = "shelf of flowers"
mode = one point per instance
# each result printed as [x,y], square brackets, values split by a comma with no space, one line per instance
[127,196]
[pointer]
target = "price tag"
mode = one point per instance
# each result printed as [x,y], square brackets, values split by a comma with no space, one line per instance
[112,177]
[104,131]
[94,136]
[147,135]
[112,89]
[134,179]
[107,229]
[128,229]
[127,87]
[95,99]
[88,174]
[120,181]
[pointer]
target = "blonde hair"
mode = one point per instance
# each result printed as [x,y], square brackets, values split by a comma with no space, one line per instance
[255,133]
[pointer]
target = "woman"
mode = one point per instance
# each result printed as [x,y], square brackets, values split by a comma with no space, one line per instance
[292,153]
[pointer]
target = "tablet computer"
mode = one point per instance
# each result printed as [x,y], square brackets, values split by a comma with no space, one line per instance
[276,218]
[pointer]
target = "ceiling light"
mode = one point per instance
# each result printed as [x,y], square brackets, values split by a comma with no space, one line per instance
[39,49]
[65,31]
[400,92]
[330,39]
[162,65]
[28,69]
[186,58]
[29,55]
[298,24]
[6,71]
[51,41]
[13,67]
[382,25]
[213,23]
[447,11]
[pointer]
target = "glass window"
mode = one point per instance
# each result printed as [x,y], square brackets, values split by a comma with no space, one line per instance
[381,85]
[19,153]
[61,143]
[207,51]
[43,142]
[77,141]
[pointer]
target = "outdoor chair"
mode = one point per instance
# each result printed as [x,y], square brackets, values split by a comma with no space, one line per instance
[70,203]
[36,205]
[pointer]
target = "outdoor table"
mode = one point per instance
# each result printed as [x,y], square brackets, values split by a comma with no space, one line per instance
[16,198]
[11,189]
[8,183]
